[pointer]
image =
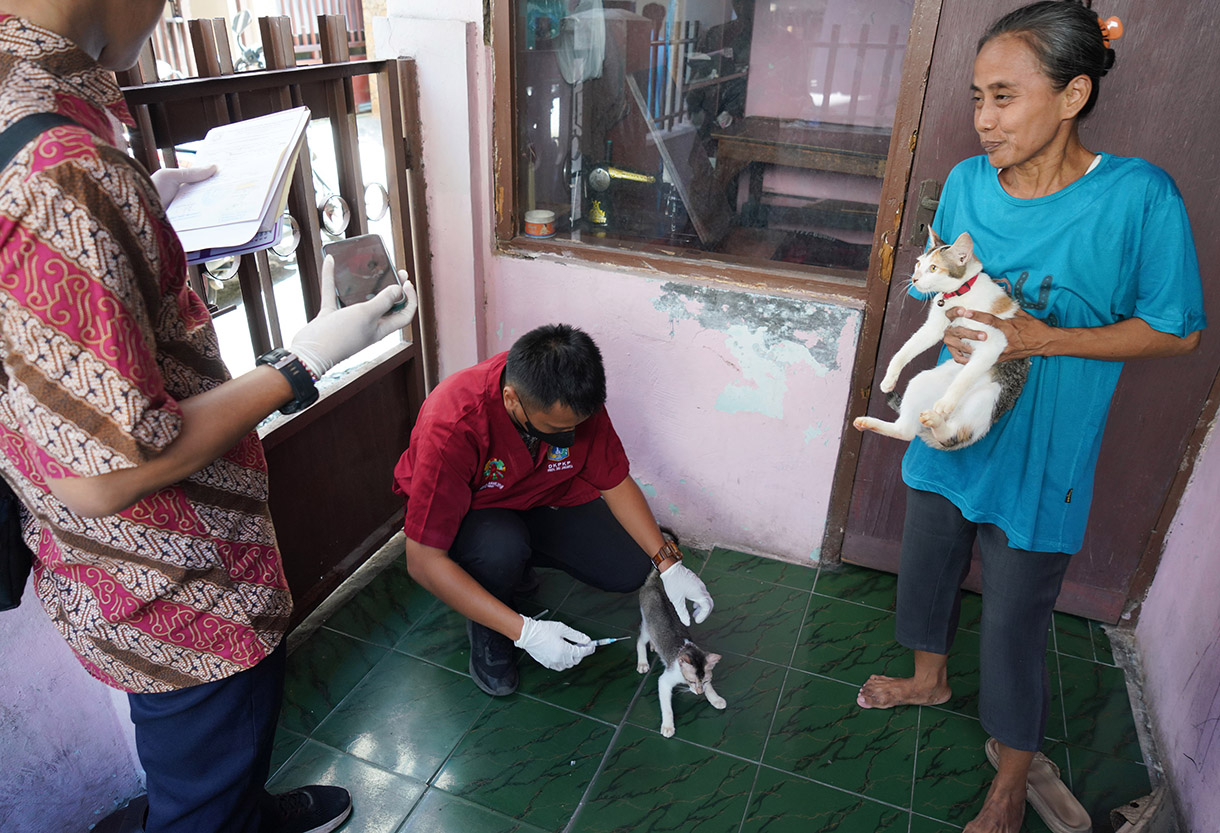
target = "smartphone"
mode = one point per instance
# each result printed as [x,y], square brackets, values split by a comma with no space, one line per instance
[362,269]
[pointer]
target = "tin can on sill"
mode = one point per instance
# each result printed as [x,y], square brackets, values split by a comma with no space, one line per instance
[540,223]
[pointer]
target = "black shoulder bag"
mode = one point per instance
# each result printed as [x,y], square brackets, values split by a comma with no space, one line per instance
[15,557]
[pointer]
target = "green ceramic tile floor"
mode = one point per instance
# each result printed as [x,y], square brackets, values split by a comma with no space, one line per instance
[378,700]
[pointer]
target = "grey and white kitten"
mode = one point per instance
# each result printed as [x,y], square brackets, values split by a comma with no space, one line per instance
[685,662]
[953,405]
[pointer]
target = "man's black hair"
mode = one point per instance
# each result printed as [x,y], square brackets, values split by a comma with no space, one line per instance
[557,363]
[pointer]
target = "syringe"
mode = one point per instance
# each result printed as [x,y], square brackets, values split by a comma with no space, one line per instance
[597,643]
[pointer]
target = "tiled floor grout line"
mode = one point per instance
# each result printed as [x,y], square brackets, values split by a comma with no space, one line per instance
[1069,634]
[618,730]
[343,699]
[839,789]
[468,803]
[430,782]
[762,753]
[915,766]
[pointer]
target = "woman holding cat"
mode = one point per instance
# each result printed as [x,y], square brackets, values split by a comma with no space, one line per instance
[1103,245]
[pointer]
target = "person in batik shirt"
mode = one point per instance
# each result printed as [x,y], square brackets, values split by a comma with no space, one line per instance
[131,448]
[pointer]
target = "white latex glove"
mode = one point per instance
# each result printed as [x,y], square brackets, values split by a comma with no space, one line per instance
[681,585]
[169,180]
[335,334]
[550,643]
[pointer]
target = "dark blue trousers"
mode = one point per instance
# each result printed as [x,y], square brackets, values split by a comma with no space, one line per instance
[206,750]
[1019,592]
[586,542]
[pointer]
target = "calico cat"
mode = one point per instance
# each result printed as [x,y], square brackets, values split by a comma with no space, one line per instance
[953,405]
[685,662]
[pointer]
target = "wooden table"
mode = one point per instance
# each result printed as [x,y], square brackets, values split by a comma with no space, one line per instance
[756,141]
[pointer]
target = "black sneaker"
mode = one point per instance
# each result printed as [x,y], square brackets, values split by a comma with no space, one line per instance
[315,809]
[492,665]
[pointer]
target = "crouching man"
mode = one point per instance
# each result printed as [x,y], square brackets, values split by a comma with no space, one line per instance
[514,463]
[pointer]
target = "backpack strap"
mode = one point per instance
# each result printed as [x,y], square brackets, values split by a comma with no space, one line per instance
[15,558]
[23,131]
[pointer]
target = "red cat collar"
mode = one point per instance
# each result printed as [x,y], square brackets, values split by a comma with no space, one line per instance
[961,290]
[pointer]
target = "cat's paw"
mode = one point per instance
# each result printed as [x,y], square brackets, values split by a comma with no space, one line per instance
[888,384]
[667,731]
[931,419]
[943,407]
[863,423]
[641,667]
[717,703]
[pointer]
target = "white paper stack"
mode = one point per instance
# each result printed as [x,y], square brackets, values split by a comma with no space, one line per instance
[237,210]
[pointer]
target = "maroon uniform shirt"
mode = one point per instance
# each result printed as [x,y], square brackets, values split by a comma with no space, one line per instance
[466,453]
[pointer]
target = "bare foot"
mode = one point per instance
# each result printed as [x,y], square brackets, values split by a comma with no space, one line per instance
[886,692]
[1003,811]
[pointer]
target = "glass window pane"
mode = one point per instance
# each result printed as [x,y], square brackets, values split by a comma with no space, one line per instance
[749,129]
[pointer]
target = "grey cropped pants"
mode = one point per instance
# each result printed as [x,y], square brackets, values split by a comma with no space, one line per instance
[1019,592]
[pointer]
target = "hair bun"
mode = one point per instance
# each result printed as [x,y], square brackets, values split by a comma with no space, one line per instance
[1108,61]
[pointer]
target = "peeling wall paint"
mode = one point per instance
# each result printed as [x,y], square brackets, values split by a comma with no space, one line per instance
[716,393]
[767,336]
[778,320]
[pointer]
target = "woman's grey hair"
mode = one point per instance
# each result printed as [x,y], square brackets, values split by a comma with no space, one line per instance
[1066,38]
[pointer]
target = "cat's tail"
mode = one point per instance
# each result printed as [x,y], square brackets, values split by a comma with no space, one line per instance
[894,400]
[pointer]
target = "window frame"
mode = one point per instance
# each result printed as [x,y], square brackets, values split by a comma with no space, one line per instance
[840,286]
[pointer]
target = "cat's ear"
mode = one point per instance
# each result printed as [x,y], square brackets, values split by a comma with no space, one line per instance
[710,661]
[963,248]
[685,658]
[936,241]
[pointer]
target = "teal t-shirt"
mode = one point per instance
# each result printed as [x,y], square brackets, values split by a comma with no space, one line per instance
[1112,245]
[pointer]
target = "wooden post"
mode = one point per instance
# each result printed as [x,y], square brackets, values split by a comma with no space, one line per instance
[302,204]
[398,92]
[332,29]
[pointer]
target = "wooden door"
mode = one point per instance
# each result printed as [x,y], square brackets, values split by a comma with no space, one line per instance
[1161,406]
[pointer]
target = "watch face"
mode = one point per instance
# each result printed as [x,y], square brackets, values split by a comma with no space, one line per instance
[277,358]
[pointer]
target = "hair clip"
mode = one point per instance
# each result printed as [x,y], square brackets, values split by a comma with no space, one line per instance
[1111,29]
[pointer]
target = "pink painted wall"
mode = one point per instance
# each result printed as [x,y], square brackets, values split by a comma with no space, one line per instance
[1178,638]
[709,386]
[729,403]
[66,738]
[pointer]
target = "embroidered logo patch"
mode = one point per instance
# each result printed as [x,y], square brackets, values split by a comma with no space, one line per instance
[556,454]
[493,469]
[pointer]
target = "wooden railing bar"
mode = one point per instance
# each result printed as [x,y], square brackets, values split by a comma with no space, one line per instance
[262,317]
[398,94]
[302,205]
[342,99]
[269,79]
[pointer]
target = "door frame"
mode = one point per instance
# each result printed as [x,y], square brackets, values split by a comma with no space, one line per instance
[1194,434]
[925,22]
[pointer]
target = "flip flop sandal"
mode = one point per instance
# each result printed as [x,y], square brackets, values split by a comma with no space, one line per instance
[1049,796]
[1140,815]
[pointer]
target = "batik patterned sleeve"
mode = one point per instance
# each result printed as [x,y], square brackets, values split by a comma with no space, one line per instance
[81,295]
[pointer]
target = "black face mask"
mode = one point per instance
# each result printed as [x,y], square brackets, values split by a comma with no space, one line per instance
[560,439]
